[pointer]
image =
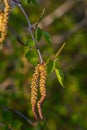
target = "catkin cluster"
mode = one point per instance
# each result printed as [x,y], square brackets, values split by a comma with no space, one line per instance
[4,15]
[38,79]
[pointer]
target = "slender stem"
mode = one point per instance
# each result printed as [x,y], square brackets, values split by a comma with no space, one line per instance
[32,35]
[27,21]
[57,54]
[40,18]
[41,60]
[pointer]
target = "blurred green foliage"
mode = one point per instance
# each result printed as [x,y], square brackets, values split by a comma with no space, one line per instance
[64,108]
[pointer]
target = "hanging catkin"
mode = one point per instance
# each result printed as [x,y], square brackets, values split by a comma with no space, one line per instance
[4,20]
[34,90]
[39,77]
[1,19]
[42,85]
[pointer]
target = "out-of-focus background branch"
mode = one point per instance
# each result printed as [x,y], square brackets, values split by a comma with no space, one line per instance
[59,12]
[59,39]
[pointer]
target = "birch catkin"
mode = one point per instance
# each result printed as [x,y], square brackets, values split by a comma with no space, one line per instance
[34,90]
[4,20]
[43,75]
[38,77]
[1,20]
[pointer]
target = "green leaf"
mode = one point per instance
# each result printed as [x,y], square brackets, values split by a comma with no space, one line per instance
[31,43]
[39,33]
[50,65]
[26,49]
[33,1]
[28,1]
[47,37]
[32,57]
[60,76]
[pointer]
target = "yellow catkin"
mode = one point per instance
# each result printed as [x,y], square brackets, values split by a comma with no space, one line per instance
[43,75]
[39,78]
[34,90]
[1,19]
[4,23]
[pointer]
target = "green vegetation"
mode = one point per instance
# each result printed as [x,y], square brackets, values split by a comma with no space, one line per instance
[66,105]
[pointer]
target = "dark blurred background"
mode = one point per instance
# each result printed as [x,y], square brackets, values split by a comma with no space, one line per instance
[64,108]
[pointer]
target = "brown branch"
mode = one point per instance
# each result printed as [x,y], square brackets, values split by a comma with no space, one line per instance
[58,13]
[59,39]
[5,84]
[20,115]
[2,124]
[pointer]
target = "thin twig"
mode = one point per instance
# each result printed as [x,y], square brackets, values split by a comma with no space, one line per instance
[16,1]
[20,41]
[20,115]
[57,54]
[38,22]
[29,24]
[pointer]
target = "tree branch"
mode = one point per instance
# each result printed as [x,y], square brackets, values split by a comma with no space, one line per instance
[59,39]
[5,84]
[20,115]
[58,13]
[30,29]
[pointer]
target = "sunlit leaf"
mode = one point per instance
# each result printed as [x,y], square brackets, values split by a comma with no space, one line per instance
[28,1]
[33,1]
[47,37]
[38,34]
[32,57]
[60,76]
[26,49]
[31,43]
[50,66]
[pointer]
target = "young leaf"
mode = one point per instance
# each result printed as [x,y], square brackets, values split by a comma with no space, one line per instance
[26,49]
[60,76]
[28,1]
[50,66]
[33,1]
[47,37]
[38,34]
[32,57]
[31,43]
